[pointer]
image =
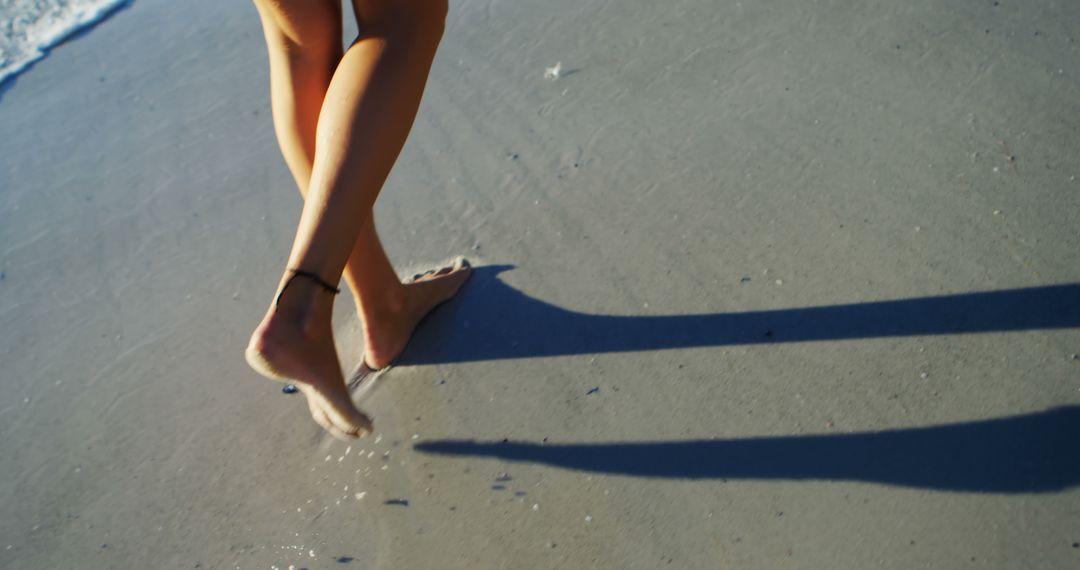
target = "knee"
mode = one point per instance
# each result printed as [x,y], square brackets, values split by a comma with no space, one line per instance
[434,12]
[414,20]
[311,28]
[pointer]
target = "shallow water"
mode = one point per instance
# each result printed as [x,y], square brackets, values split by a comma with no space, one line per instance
[31,27]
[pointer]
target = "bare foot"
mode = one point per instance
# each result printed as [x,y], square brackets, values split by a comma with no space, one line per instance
[387,333]
[294,343]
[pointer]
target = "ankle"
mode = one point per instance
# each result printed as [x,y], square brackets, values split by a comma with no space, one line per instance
[298,322]
[304,308]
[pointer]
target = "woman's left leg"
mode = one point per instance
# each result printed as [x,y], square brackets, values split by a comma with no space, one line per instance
[366,115]
[304,48]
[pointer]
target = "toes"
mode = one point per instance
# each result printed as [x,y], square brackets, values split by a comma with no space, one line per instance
[341,412]
[320,418]
[458,265]
[331,419]
[452,275]
[327,424]
[420,276]
[462,266]
[351,422]
[336,432]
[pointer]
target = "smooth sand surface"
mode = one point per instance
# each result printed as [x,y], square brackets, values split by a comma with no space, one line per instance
[681,325]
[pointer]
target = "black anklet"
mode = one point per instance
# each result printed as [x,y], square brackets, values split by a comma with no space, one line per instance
[299,273]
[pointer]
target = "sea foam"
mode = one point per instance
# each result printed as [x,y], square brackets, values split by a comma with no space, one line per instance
[28,28]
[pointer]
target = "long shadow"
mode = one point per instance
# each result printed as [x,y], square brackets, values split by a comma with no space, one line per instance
[1033,453]
[490,320]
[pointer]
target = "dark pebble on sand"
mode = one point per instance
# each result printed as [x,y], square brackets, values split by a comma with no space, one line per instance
[397,502]
[288,389]
[344,559]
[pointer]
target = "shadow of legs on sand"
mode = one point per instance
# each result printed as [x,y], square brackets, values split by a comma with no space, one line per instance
[1032,453]
[505,323]
[1029,453]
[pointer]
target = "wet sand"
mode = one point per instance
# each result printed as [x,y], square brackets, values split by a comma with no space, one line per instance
[729,309]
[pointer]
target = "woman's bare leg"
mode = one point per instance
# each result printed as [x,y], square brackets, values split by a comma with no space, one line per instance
[366,114]
[304,48]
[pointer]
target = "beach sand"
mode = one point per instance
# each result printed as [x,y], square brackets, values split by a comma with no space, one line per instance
[687,239]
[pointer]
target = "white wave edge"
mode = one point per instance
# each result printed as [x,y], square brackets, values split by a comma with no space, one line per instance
[50,36]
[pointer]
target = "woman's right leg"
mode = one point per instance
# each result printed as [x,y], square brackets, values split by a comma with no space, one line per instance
[304,49]
[366,113]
